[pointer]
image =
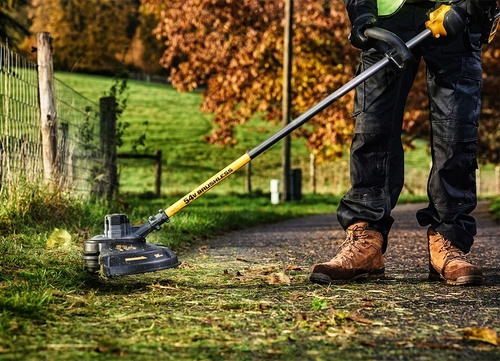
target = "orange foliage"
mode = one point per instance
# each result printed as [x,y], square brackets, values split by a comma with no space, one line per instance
[235,50]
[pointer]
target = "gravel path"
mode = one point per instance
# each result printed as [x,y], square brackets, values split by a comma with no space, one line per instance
[302,242]
[409,317]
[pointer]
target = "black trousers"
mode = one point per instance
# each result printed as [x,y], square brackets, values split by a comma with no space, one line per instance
[454,80]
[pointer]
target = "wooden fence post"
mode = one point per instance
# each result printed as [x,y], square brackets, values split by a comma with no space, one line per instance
[48,113]
[65,169]
[107,111]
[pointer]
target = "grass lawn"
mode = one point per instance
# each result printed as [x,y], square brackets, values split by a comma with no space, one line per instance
[173,123]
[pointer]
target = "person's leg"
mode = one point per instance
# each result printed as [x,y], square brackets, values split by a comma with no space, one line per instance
[454,85]
[377,173]
[377,164]
[377,157]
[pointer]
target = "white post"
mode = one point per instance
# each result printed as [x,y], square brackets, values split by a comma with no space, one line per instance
[275,191]
[478,181]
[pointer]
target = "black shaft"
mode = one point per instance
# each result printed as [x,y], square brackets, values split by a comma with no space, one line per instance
[346,88]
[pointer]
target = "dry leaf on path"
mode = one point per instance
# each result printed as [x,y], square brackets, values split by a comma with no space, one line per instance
[278,278]
[482,334]
[356,317]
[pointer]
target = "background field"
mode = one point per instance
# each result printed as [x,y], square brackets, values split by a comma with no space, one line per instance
[173,123]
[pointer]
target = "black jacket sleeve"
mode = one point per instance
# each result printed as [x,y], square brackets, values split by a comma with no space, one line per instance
[360,8]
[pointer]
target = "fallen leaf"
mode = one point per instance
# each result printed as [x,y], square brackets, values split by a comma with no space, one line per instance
[339,316]
[293,268]
[334,334]
[356,317]
[278,278]
[482,334]
[242,260]
[203,249]
[301,317]
[267,270]
[368,343]
[59,238]
[349,330]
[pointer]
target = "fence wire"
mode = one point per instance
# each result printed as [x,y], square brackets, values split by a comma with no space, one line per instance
[21,143]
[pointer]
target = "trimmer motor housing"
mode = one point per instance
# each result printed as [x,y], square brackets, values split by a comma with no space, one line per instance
[123,249]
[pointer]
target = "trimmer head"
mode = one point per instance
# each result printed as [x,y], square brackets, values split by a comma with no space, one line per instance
[123,249]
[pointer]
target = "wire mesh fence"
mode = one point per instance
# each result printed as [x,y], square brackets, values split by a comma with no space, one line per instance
[78,143]
[79,139]
[20,146]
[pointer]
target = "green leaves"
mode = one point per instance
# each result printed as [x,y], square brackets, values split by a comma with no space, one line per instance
[318,304]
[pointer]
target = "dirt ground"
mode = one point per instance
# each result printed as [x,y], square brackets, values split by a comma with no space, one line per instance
[305,241]
[416,314]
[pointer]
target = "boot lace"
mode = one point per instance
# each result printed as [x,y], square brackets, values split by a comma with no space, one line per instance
[354,237]
[451,252]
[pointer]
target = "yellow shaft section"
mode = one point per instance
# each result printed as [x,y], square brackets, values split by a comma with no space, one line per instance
[209,184]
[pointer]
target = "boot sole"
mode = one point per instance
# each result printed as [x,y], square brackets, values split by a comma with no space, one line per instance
[473,280]
[323,279]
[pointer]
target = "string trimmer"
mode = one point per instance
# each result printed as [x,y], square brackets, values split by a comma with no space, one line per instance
[123,249]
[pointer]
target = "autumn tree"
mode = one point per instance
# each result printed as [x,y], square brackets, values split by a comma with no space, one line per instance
[146,50]
[234,49]
[14,26]
[90,35]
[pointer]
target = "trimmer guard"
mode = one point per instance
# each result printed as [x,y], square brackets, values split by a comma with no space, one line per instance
[119,258]
[123,250]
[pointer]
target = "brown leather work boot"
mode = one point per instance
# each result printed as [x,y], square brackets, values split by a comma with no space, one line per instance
[359,256]
[449,263]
